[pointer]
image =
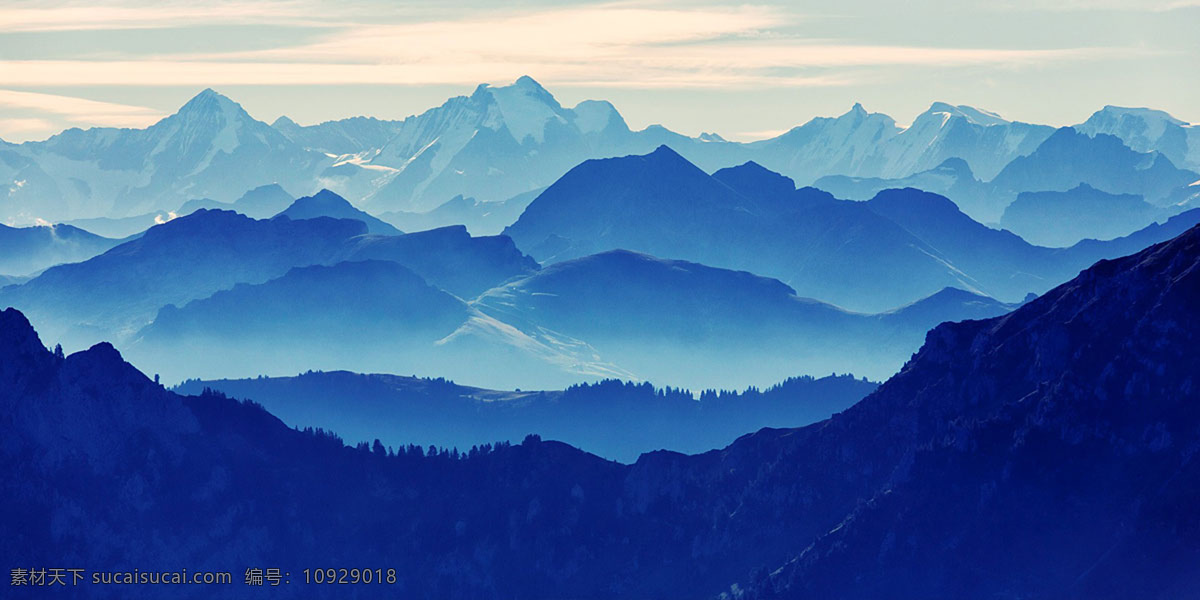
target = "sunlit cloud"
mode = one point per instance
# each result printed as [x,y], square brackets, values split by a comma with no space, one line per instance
[1156,6]
[627,44]
[22,127]
[81,16]
[72,109]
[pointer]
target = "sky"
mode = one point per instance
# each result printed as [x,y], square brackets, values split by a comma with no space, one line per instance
[745,70]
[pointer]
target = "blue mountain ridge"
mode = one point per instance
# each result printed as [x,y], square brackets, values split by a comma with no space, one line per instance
[1045,453]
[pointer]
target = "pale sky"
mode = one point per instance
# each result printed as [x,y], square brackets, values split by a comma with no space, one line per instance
[743,70]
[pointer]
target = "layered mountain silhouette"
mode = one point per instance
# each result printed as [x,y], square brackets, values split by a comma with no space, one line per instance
[1061,163]
[620,204]
[615,420]
[1044,453]
[261,202]
[480,218]
[872,256]
[371,314]
[1069,158]
[1068,473]
[676,321]
[952,179]
[27,250]
[192,257]
[612,314]
[328,204]
[1065,218]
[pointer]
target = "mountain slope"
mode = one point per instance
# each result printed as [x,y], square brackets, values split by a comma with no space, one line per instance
[192,257]
[870,145]
[26,250]
[1069,158]
[840,252]
[369,315]
[1065,218]
[952,179]
[685,323]
[210,148]
[848,253]
[328,204]
[480,218]
[1070,472]
[1147,130]
[1047,453]
[449,258]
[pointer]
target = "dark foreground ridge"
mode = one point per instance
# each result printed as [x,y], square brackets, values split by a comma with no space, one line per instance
[1048,453]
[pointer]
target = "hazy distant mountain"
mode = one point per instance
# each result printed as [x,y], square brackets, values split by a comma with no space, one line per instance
[1047,453]
[26,250]
[1062,162]
[262,202]
[370,315]
[480,218]
[952,179]
[613,314]
[660,204]
[615,420]
[209,149]
[684,323]
[192,257]
[492,145]
[862,144]
[342,137]
[1064,218]
[851,254]
[1147,130]
[328,204]
[1104,162]
[184,259]
[984,140]
[449,258]
[1002,262]
[259,203]
[495,144]
[123,227]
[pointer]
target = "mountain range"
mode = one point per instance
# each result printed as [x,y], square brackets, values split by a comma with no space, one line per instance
[28,250]
[1066,160]
[612,314]
[1065,218]
[500,142]
[192,257]
[1046,453]
[620,296]
[211,148]
[747,218]
[328,204]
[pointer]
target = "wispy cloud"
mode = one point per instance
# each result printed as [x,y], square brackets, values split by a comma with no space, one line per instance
[20,128]
[82,16]
[71,109]
[623,45]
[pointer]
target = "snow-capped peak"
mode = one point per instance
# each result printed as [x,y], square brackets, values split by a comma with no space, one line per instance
[524,107]
[1139,127]
[974,115]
